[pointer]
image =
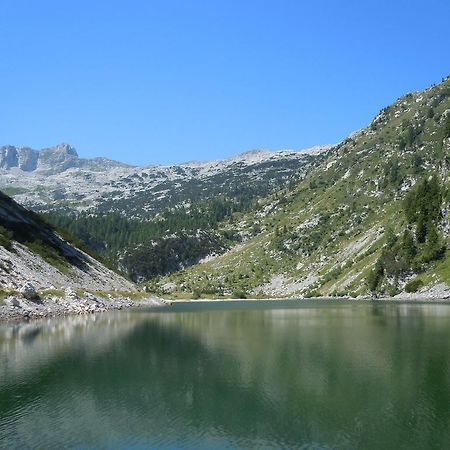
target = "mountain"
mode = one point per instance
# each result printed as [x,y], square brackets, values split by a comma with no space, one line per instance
[371,216]
[166,216]
[56,179]
[49,161]
[31,251]
[368,215]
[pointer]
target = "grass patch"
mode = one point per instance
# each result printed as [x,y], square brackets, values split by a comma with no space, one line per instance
[133,295]
[4,293]
[50,255]
[13,190]
[51,293]
[439,272]
[6,237]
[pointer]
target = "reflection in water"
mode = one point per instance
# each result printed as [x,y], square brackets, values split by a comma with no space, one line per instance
[325,375]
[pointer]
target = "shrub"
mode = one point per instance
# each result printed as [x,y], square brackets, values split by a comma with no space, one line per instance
[413,285]
[239,293]
[6,238]
[312,294]
[393,290]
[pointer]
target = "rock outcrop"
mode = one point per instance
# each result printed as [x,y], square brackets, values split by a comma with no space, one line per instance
[50,160]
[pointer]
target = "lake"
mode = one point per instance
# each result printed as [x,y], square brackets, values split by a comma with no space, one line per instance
[285,374]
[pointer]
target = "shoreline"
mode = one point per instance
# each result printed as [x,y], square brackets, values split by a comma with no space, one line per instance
[17,309]
[440,292]
[336,299]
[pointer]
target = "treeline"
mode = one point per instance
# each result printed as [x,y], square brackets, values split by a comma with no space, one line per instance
[170,254]
[175,238]
[420,244]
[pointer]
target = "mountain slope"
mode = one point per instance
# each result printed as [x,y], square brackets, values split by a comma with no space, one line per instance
[164,217]
[31,251]
[325,234]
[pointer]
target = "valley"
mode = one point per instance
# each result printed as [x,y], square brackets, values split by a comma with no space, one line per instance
[329,221]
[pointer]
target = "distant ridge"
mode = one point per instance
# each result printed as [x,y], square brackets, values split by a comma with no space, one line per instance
[54,159]
[258,155]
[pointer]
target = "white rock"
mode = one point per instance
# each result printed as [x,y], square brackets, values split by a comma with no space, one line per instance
[70,294]
[12,301]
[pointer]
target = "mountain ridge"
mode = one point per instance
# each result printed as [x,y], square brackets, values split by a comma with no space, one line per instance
[132,205]
[28,159]
[50,160]
[325,234]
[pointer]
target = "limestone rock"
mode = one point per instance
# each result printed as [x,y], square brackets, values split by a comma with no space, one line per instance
[70,294]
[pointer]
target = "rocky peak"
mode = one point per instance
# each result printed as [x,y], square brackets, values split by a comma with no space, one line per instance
[8,157]
[28,160]
[56,158]
[24,158]
[64,149]
[62,155]
[51,160]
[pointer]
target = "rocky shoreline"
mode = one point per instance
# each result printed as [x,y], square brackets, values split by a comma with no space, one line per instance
[29,305]
[440,291]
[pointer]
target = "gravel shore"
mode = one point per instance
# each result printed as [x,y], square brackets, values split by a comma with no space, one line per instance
[16,307]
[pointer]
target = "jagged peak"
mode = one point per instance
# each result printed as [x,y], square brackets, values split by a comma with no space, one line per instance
[62,148]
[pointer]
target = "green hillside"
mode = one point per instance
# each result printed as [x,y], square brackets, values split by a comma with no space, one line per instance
[159,230]
[346,228]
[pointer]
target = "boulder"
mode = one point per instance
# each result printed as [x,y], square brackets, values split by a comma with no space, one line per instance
[13,301]
[70,294]
[29,291]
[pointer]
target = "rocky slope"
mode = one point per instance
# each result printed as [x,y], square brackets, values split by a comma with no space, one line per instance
[346,219]
[42,274]
[31,251]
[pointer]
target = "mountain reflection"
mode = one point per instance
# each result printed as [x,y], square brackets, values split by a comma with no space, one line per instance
[319,375]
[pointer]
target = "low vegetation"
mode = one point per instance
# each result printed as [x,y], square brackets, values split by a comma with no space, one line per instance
[50,254]
[6,237]
[420,244]
[371,217]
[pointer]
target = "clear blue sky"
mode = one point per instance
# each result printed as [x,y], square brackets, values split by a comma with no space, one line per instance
[169,81]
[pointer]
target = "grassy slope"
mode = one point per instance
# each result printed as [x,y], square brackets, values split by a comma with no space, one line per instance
[325,233]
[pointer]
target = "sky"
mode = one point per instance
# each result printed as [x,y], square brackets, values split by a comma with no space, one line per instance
[169,81]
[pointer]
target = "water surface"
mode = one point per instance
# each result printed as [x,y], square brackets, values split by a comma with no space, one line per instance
[295,374]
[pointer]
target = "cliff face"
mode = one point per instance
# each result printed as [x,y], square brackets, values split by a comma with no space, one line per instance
[29,160]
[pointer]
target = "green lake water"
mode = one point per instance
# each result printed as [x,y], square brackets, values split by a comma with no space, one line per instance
[287,374]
